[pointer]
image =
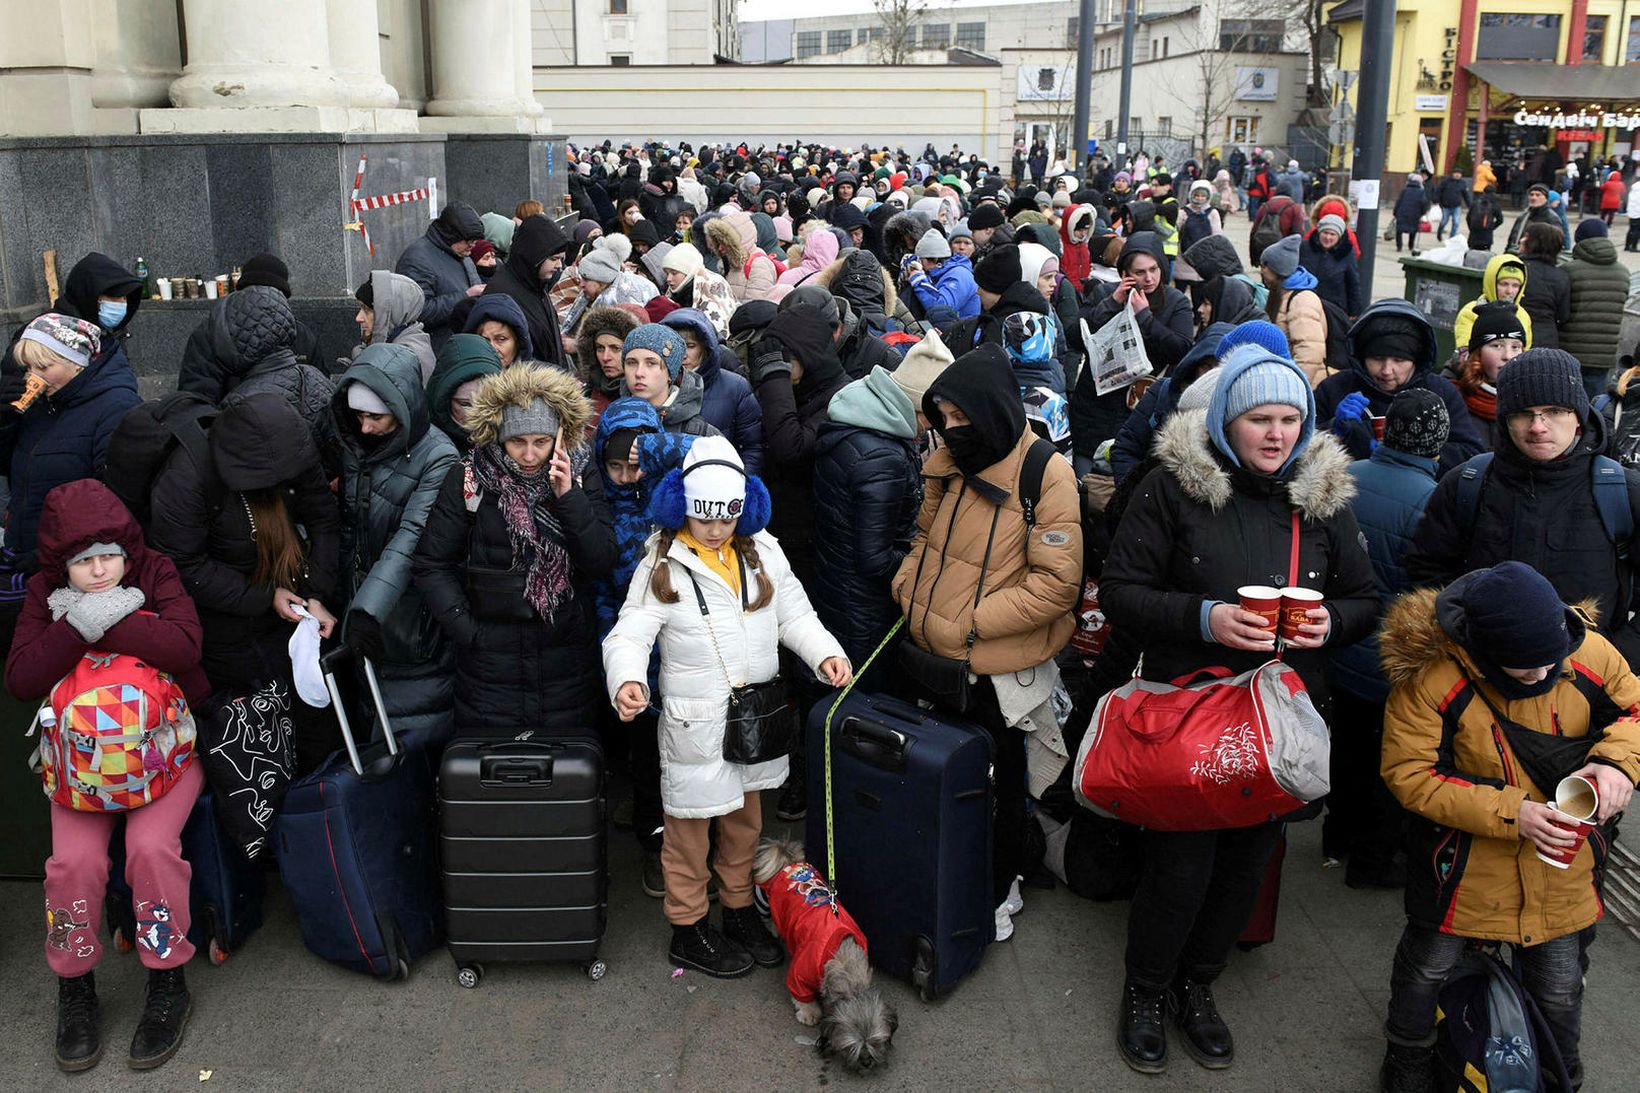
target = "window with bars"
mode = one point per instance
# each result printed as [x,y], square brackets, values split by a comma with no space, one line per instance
[936,36]
[838,40]
[971,35]
[808,43]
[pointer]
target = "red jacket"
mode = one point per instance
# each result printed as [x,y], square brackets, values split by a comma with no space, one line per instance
[77,514]
[1074,260]
[1612,192]
[801,903]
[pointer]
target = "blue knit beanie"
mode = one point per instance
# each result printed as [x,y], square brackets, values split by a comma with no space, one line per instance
[663,341]
[1515,616]
[1260,332]
[1252,377]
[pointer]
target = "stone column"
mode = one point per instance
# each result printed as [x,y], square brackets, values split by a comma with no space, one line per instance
[46,59]
[480,67]
[138,53]
[247,53]
[355,54]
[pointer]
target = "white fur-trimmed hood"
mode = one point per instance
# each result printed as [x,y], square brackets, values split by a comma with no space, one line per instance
[1319,484]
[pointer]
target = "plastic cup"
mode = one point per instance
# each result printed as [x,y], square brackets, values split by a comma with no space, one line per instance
[1377,426]
[210,289]
[221,284]
[164,285]
[1262,600]
[1296,604]
[1576,801]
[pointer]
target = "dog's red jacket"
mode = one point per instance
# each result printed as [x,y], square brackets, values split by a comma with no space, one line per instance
[801,902]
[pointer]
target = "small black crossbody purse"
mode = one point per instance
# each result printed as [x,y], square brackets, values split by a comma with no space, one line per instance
[758,725]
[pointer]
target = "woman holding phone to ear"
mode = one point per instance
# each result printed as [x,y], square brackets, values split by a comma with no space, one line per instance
[515,538]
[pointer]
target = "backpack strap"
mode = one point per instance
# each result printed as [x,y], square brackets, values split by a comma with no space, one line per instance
[1471,481]
[1030,479]
[1611,499]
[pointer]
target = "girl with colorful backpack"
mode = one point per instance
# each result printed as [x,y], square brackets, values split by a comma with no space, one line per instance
[110,640]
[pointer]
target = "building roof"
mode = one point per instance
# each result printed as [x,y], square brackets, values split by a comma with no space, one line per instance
[1537,80]
[1347,12]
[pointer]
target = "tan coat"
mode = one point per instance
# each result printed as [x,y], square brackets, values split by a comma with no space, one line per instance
[1471,872]
[1024,616]
[1304,321]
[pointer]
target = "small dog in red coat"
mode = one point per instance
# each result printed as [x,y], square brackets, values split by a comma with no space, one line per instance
[830,977]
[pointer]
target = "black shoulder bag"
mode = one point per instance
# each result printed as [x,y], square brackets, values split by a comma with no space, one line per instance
[758,725]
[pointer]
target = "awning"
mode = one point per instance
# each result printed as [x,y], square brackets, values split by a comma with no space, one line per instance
[1538,80]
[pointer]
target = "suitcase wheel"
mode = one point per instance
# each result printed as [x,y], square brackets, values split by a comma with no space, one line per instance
[469,975]
[922,971]
[595,970]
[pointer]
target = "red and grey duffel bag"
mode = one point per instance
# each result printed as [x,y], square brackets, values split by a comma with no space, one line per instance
[1201,756]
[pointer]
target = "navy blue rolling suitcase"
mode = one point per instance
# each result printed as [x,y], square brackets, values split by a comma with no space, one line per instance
[225,892]
[912,809]
[355,849]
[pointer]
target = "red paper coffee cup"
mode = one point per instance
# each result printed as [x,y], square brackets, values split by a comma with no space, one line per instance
[1262,600]
[1576,803]
[1377,427]
[1296,604]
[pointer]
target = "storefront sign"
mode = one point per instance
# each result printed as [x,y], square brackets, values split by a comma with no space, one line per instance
[1576,134]
[1429,102]
[1604,120]
[1257,84]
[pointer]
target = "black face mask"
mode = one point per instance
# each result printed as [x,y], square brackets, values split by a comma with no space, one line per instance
[486,272]
[968,449]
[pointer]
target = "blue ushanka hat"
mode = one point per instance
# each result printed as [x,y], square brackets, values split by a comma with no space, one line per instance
[712,484]
[663,341]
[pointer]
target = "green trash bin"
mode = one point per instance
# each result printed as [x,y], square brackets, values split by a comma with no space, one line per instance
[1440,291]
[24,810]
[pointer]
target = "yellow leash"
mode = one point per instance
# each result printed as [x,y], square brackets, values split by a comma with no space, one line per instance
[831,839]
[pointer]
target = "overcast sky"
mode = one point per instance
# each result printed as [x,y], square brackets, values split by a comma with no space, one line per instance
[752,10]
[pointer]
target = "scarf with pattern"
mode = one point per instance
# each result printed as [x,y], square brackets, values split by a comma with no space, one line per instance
[530,510]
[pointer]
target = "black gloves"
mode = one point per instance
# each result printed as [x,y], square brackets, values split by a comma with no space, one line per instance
[769,359]
[363,634]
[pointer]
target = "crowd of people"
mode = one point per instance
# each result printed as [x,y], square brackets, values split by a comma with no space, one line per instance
[747,410]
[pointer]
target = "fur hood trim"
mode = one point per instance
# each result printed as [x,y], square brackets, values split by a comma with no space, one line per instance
[1413,641]
[891,299]
[1319,485]
[600,320]
[521,385]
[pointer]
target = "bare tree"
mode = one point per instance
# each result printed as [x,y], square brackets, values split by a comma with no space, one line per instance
[1221,48]
[899,26]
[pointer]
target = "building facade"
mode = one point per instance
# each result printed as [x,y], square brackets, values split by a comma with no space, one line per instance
[633,32]
[983,28]
[1506,78]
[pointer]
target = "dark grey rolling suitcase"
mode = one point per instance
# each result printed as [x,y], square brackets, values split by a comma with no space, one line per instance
[521,831]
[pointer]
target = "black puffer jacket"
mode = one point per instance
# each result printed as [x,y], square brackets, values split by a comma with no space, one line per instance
[203,523]
[250,336]
[867,490]
[1600,289]
[1547,300]
[536,240]
[858,349]
[204,375]
[387,488]
[514,669]
[1542,514]
[444,278]
[1198,528]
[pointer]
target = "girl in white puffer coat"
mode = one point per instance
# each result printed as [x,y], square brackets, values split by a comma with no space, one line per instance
[718,594]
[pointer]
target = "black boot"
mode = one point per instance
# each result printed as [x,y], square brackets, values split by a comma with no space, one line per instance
[79,1042]
[1407,1069]
[744,926]
[793,804]
[159,1030]
[1142,1034]
[702,947]
[1206,1037]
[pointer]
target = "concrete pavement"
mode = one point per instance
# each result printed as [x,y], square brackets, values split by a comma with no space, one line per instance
[1039,1014]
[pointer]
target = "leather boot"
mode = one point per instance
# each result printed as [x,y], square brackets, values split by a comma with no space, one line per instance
[1408,1068]
[1206,1037]
[159,1030]
[744,926]
[1142,1033]
[703,947]
[79,1041]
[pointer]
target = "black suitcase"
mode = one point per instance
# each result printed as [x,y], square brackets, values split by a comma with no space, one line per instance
[912,812]
[521,835]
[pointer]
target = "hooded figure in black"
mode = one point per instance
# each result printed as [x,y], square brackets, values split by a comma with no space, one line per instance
[795,372]
[93,277]
[981,384]
[1391,328]
[443,274]
[537,240]
[1229,300]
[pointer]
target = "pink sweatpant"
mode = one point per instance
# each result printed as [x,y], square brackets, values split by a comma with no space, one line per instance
[77,876]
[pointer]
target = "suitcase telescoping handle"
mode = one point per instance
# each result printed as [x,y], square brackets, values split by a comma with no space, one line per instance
[328,663]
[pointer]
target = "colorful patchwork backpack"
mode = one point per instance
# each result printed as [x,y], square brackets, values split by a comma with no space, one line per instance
[115,734]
